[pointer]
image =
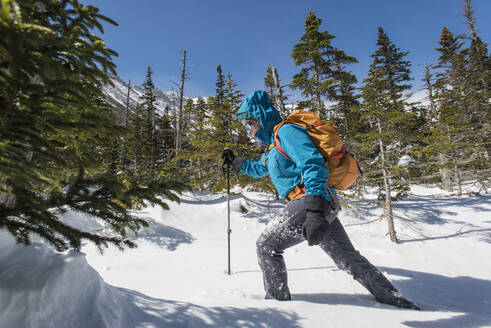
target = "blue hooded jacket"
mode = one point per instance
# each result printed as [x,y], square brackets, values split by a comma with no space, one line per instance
[307,165]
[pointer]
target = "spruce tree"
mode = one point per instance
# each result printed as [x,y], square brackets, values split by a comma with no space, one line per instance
[269,83]
[56,129]
[477,162]
[347,107]
[445,140]
[164,143]
[384,107]
[187,114]
[196,137]
[434,168]
[460,132]
[215,127]
[149,146]
[135,141]
[323,67]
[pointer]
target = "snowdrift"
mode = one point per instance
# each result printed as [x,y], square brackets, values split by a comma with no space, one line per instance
[42,288]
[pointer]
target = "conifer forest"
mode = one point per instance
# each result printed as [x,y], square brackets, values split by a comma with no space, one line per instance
[63,145]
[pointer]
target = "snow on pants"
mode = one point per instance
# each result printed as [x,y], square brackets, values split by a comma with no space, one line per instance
[286,231]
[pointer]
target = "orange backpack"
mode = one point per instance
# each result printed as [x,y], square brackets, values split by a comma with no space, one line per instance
[343,167]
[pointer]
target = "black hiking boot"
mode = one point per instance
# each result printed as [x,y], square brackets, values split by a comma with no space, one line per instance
[395,299]
[384,291]
[283,296]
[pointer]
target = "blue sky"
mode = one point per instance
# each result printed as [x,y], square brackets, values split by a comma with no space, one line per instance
[245,36]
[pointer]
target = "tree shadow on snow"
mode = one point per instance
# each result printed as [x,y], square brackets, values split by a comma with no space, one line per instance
[263,211]
[484,235]
[337,299]
[144,311]
[332,268]
[432,211]
[205,198]
[164,236]
[469,298]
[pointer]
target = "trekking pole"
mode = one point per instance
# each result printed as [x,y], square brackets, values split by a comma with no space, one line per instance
[229,231]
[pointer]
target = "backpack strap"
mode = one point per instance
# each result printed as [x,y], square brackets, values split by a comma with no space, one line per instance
[266,151]
[277,141]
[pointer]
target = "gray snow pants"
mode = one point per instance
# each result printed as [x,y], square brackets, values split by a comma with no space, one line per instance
[287,232]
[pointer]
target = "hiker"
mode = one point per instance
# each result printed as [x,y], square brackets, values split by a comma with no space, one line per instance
[311,211]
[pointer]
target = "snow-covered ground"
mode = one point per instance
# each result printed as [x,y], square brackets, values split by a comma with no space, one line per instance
[177,276]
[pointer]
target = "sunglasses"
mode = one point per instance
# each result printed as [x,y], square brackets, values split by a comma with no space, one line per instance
[249,125]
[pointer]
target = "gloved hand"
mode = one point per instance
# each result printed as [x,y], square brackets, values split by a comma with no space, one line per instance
[228,156]
[320,213]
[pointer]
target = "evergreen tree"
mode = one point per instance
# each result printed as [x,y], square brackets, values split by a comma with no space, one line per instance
[460,132]
[220,86]
[55,128]
[347,107]
[196,138]
[215,127]
[222,112]
[233,100]
[135,141]
[164,143]
[445,140]
[432,168]
[477,162]
[188,114]
[149,146]
[323,68]
[384,107]
[269,83]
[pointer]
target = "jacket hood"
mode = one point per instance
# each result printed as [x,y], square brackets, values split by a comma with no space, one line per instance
[258,106]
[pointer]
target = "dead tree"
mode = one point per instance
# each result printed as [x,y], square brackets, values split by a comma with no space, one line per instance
[388,198]
[279,92]
[127,109]
[126,124]
[181,104]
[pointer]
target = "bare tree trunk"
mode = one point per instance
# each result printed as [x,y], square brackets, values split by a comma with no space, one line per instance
[388,199]
[127,109]
[445,174]
[7,200]
[126,125]
[469,15]
[279,92]
[317,92]
[152,148]
[429,88]
[458,180]
[200,177]
[181,102]
[483,185]
[137,131]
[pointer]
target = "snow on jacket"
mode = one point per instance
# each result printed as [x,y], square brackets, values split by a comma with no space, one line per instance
[307,165]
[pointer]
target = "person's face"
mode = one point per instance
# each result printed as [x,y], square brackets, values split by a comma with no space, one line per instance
[251,126]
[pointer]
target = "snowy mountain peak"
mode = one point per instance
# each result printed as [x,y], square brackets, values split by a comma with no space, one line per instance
[117,94]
